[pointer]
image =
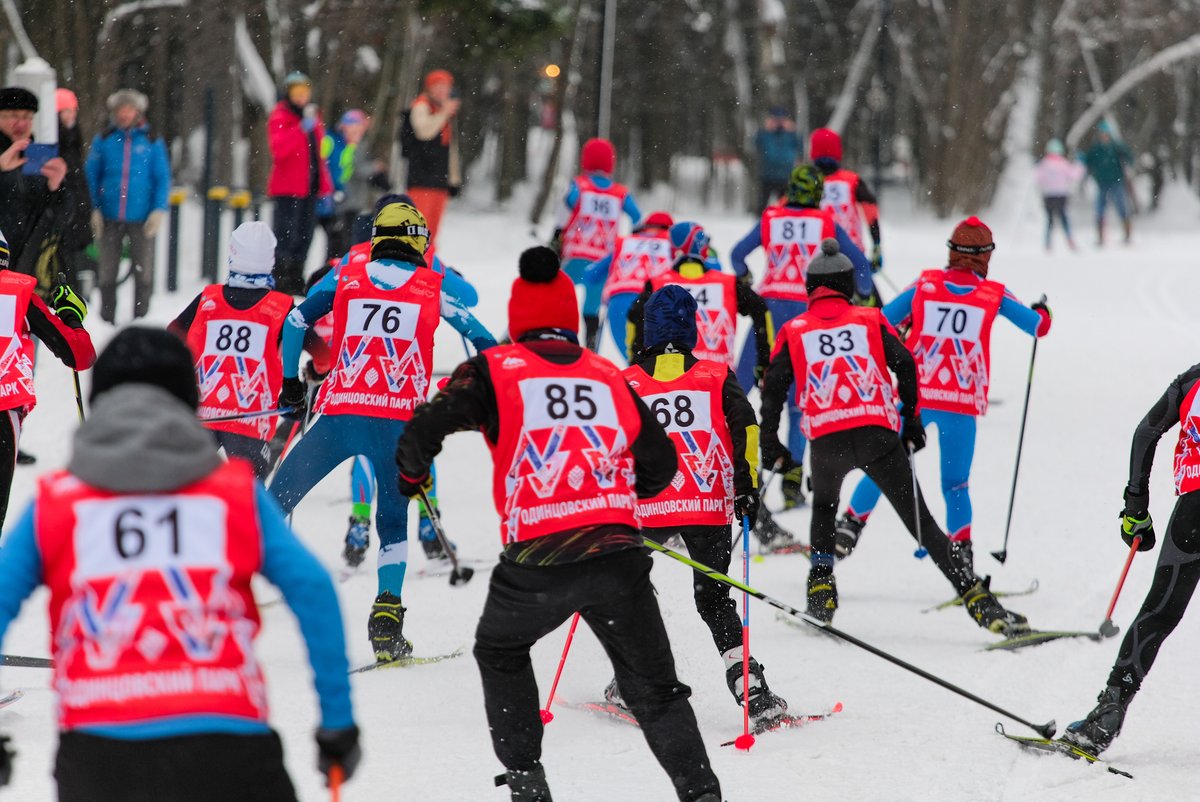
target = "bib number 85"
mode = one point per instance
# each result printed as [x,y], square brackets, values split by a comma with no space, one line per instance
[560,405]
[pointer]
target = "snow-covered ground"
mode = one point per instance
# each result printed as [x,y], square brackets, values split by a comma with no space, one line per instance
[1121,332]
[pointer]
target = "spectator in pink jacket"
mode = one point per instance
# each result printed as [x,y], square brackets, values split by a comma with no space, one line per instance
[1057,176]
[299,176]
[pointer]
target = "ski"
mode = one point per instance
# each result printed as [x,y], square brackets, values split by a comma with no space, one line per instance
[17,661]
[1037,637]
[788,721]
[797,623]
[411,660]
[443,568]
[1059,747]
[786,548]
[999,594]
[10,697]
[604,709]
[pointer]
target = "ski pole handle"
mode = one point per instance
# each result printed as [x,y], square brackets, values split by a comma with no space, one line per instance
[1133,549]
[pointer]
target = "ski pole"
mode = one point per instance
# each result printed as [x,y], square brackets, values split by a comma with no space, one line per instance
[1108,629]
[78,396]
[264,413]
[18,661]
[745,740]
[921,552]
[1045,730]
[547,716]
[1002,555]
[457,574]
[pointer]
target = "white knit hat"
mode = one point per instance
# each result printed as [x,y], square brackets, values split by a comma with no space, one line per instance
[252,249]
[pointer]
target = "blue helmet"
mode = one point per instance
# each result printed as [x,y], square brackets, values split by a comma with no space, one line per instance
[689,239]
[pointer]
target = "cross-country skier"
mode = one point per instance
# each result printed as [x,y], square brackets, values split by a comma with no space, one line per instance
[634,260]
[841,358]
[1178,568]
[385,313]
[588,221]
[791,235]
[715,432]
[720,298]
[147,542]
[234,331]
[574,449]
[27,316]
[846,194]
[952,312]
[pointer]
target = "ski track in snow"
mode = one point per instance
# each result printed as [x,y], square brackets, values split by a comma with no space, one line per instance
[1122,330]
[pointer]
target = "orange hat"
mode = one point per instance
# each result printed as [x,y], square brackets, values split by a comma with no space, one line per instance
[543,296]
[438,77]
[598,156]
[971,245]
[65,99]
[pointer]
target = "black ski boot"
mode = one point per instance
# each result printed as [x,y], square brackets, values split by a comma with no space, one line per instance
[764,705]
[846,534]
[769,533]
[822,594]
[793,488]
[990,614]
[528,785]
[1096,732]
[612,695]
[386,629]
[358,538]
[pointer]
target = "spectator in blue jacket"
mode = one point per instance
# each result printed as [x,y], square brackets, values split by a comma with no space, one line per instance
[129,176]
[778,145]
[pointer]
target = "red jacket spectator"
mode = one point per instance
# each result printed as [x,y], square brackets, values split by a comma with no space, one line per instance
[295,154]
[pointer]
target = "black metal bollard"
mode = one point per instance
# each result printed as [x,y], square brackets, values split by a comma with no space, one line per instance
[212,231]
[174,200]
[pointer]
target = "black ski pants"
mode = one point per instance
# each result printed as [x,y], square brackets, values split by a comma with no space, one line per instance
[613,594]
[189,768]
[711,546]
[1175,580]
[879,453]
[10,435]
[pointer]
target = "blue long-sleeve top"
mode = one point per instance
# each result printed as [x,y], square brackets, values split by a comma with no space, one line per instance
[287,564]
[453,282]
[319,303]
[962,282]
[863,282]
[597,271]
[603,181]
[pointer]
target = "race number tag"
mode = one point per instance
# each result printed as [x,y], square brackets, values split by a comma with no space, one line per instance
[708,296]
[653,248]
[681,411]
[133,533]
[8,316]
[837,193]
[955,321]
[367,317]
[604,207]
[797,230]
[235,338]
[567,402]
[826,344]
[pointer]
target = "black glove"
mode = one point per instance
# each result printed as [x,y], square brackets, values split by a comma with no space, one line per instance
[775,456]
[6,761]
[746,278]
[411,488]
[454,191]
[556,241]
[912,434]
[759,372]
[338,748]
[294,393]
[746,506]
[1136,521]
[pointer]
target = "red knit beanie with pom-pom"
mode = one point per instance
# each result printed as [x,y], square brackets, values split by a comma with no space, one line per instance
[543,296]
[598,156]
[971,246]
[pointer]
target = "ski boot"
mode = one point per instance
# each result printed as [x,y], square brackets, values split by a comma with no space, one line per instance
[822,594]
[770,534]
[990,614]
[528,785]
[358,538]
[612,695]
[25,458]
[793,488]
[764,705]
[386,629]
[846,534]
[1096,732]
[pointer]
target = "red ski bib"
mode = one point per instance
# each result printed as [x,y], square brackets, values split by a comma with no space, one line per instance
[383,342]
[591,230]
[16,346]
[692,412]
[561,460]
[150,603]
[636,260]
[716,311]
[951,342]
[790,238]
[237,358]
[842,377]
[1187,450]
[841,199]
